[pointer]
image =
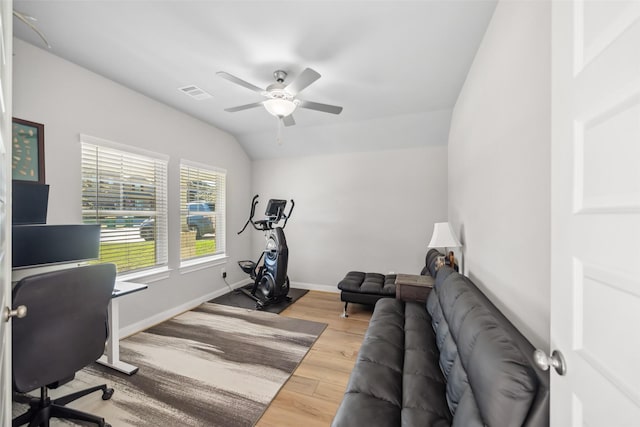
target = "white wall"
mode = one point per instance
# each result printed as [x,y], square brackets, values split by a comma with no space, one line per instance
[401,131]
[70,100]
[361,211]
[499,166]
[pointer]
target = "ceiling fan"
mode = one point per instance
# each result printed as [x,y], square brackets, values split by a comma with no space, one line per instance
[281,99]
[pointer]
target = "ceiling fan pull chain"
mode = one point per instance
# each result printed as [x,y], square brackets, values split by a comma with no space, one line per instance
[279,134]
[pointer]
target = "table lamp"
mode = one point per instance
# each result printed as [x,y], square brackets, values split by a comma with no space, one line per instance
[443,237]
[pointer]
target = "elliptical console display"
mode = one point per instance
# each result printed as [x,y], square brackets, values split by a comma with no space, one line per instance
[270,280]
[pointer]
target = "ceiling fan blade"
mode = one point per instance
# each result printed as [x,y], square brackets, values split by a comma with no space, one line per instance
[243,107]
[26,19]
[239,81]
[326,108]
[288,120]
[305,78]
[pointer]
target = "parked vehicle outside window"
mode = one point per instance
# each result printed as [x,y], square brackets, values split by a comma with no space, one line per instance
[200,218]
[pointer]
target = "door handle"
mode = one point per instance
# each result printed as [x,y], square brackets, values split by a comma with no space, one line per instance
[19,312]
[556,360]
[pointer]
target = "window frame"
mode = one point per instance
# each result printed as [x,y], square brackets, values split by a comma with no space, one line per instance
[161,246]
[219,257]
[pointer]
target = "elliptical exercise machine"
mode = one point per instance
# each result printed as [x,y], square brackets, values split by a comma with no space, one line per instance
[270,280]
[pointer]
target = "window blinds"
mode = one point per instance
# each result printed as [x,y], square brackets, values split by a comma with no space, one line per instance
[126,193]
[202,210]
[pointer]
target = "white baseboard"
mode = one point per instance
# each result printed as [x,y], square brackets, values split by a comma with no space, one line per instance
[174,311]
[315,287]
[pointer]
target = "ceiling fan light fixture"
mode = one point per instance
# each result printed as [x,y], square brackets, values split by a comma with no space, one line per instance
[281,99]
[280,107]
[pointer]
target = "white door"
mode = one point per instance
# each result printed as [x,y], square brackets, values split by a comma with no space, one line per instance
[595,212]
[6,43]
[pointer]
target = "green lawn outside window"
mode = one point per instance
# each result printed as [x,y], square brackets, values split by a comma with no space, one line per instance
[145,253]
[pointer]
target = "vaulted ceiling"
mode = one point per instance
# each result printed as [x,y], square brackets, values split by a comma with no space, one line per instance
[395,66]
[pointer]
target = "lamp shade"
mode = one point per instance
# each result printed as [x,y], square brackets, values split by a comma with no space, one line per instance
[279,107]
[443,236]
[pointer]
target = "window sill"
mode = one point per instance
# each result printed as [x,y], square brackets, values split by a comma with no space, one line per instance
[201,263]
[149,276]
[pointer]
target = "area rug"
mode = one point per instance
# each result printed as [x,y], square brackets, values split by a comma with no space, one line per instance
[212,366]
[239,299]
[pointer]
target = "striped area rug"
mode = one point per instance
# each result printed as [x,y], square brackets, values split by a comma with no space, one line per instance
[212,366]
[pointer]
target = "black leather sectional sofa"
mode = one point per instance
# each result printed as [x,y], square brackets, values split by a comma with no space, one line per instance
[456,362]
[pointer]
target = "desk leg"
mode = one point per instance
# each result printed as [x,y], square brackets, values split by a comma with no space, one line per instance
[112,357]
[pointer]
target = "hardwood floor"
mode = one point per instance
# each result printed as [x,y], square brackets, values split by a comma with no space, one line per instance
[313,393]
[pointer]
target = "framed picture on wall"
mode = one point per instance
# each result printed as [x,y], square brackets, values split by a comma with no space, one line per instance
[27,151]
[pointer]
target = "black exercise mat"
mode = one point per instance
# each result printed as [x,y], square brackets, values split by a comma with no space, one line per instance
[239,299]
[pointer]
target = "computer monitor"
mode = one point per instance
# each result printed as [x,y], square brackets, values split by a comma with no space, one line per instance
[275,209]
[30,201]
[36,244]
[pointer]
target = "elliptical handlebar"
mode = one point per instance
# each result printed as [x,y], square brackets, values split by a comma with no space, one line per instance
[267,223]
[287,216]
[254,202]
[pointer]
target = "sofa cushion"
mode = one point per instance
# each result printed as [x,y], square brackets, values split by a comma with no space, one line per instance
[489,380]
[423,385]
[430,263]
[397,368]
[369,283]
[374,392]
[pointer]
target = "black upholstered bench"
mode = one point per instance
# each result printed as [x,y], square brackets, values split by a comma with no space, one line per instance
[366,288]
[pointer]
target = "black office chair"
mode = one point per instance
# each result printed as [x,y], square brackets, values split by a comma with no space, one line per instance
[65,330]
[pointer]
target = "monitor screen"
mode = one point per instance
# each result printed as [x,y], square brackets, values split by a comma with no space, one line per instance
[29,200]
[48,244]
[275,208]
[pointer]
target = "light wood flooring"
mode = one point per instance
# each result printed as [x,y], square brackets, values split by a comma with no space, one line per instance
[313,393]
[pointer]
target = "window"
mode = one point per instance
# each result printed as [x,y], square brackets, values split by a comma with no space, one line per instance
[202,211]
[126,193]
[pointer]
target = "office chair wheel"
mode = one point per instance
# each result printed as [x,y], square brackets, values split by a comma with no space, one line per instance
[106,395]
[107,425]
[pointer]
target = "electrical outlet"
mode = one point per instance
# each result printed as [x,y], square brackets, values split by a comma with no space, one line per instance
[224,274]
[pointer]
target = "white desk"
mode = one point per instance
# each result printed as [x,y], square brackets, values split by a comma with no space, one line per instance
[111,358]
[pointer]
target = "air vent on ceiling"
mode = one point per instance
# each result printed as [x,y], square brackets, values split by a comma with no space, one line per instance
[195,92]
